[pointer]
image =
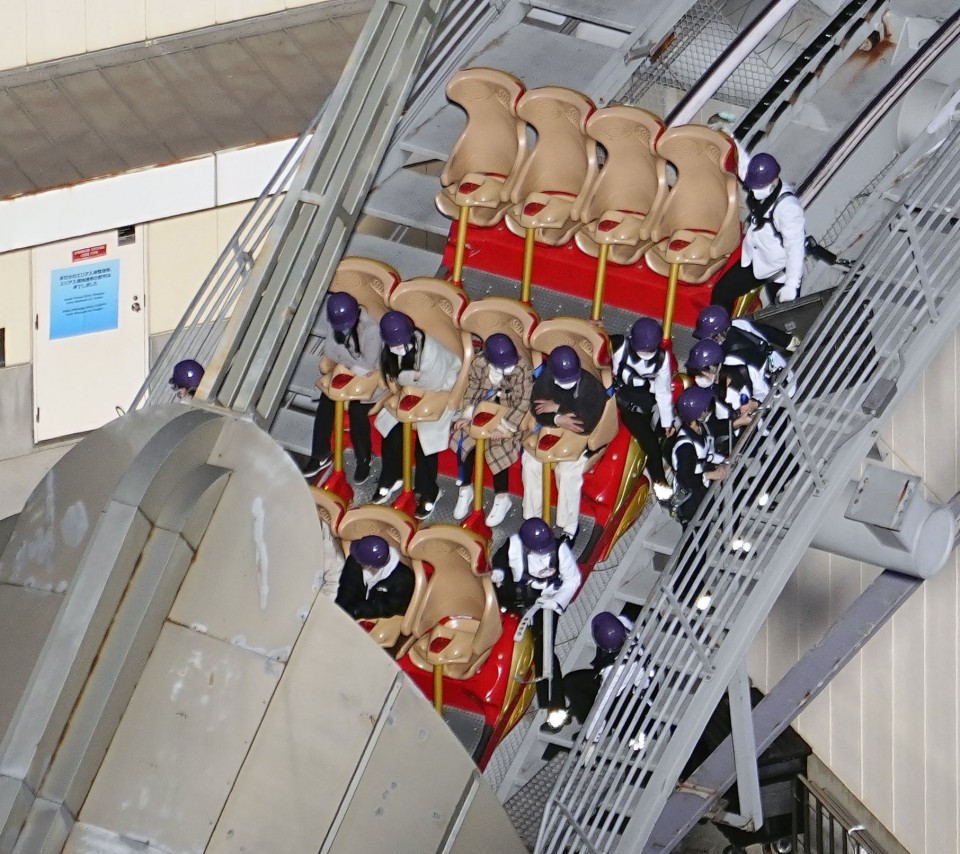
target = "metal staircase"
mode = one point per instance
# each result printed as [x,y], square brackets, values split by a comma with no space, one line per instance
[890,316]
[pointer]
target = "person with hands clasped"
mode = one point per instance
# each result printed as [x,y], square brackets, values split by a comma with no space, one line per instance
[564,396]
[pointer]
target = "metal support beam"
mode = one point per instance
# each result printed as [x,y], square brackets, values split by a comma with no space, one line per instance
[801,684]
[745,749]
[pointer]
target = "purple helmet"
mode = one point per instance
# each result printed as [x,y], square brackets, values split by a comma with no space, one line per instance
[694,402]
[608,632]
[645,335]
[370,551]
[500,351]
[564,364]
[712,320]
[187,374]
[396,328]
[536,536]
[762,170]
[343,312]
[705,354]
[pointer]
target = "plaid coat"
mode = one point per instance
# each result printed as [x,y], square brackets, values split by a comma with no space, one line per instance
[515,392]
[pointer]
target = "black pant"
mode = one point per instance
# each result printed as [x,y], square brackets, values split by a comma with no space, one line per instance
[359,429]
[736,282]
[638,423]
[501,480]
[425,470]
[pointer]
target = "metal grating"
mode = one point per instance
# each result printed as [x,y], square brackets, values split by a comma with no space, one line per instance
[697,40]
[886,321]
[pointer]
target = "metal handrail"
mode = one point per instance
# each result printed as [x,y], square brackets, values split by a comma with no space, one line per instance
[885,322]
[824,825]
[198,332]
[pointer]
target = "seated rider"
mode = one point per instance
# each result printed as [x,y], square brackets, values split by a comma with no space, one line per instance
[532,568]
[500,376]
[374,582]
[564,396]
[643,381]
[351,337]
[412,358]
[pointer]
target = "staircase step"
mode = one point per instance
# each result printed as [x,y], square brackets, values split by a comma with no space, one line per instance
[409,261]
[407,197]
[605,13]
[664,539]
[293,429]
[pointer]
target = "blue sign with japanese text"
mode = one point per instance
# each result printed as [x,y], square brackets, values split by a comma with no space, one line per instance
[84,299]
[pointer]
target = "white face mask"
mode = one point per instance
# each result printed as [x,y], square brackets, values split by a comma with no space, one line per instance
[647,355]
[400,350]
[566,386]
[495,375]
[762,193]
[703,382]
[510,370]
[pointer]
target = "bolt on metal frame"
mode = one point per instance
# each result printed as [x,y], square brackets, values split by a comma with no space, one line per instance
[888,318]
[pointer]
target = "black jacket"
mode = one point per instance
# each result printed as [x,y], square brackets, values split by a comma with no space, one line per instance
[388,597]
[585,400]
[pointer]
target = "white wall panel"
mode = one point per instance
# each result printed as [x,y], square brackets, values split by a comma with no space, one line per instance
[165,17]
[244,173]
[888,725]
[114,22]
[233,10]
[15,312]
[135,197]
[55,29]
[13,33]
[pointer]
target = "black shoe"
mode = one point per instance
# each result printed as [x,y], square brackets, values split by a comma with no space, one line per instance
[569,539]
[311,468]
[361,472]
[425,508]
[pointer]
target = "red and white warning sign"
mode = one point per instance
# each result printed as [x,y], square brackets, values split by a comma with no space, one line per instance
[89,252]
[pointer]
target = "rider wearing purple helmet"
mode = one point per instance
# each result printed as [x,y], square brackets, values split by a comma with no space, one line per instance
[533,570]
[412,359]
[374,582]
[643,381]
[186,377]
[695,461]
[773,242]
[500,376]
[566,396]
[349,336]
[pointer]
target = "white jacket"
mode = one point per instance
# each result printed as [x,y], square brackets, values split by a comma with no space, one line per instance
[771,257]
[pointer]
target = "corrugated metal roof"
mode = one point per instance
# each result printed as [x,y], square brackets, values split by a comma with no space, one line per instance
[173,98]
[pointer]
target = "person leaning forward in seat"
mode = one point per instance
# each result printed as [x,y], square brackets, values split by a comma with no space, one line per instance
[351,337]
[499,376]
[412,358]
[564,396]
[374,582]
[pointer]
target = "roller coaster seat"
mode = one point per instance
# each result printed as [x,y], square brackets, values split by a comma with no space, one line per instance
[397,528]
[627,196]
[556,177]
[435,306]
[554,444]
[458,620]
[699,224]
[486,158]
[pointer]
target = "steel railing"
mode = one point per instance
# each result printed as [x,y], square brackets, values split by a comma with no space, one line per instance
[885,322]
[822,826]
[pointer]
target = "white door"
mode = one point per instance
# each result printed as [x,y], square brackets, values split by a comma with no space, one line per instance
[90,330]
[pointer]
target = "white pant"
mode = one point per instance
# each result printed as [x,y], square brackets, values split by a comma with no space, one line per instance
[569,483]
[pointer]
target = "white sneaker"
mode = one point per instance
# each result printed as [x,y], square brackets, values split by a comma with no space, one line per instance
[464,503]
[663,491]
[384,493]
[501,506]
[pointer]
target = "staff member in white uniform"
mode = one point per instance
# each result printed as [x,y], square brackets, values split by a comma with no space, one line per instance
[773,243]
